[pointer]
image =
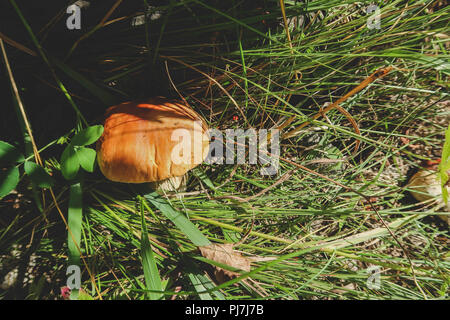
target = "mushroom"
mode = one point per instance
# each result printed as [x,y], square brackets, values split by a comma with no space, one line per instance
[425,185]
[157,140]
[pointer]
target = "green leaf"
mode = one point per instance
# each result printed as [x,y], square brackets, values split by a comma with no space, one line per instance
[151,274]
[9,179]
[183,223]
[86,158]
[87,136]
[444,166]
[69,163]
[83,295]
[74,221]
[9,154]
[38,175]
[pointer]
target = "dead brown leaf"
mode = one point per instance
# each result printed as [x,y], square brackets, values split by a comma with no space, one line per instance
[225,254]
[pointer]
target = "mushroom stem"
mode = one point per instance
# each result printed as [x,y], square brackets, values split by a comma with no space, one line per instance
[172,184]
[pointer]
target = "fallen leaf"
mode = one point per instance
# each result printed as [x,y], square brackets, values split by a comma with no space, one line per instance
[225,254]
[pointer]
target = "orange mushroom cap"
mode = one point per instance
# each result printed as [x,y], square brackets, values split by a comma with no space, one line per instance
[138,142]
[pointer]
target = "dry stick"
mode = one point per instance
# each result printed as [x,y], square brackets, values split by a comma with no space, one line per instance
[286,26]
[36,152]
[110,12]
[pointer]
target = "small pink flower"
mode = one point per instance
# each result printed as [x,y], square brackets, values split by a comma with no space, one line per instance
[65,293]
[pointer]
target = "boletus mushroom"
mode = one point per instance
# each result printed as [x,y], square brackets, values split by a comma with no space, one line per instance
[157,140]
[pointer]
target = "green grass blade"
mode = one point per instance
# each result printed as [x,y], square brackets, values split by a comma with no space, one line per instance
[74,220]
[183,223]
[200,282]
[151,274]
[445,165]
